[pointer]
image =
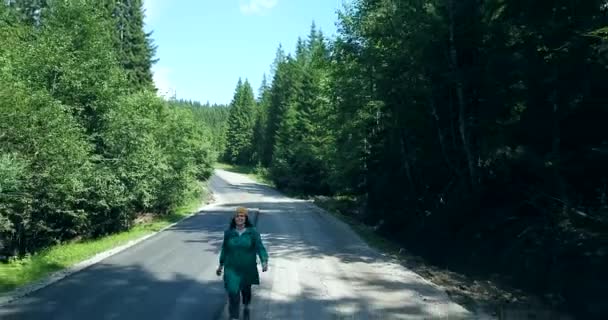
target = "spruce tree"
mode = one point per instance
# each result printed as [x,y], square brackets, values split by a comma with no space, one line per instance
[261,120]
[239,134]
[278,95]
[134,46]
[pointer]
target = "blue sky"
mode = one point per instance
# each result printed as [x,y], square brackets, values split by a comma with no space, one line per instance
[204,46]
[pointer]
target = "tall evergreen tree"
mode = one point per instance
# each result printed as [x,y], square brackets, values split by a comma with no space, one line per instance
[261,121]
[278,59]
[285,148]
[241,120]
[309,169]
[134,45]
[278,96]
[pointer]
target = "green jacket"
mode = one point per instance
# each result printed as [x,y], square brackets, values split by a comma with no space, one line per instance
[238,256]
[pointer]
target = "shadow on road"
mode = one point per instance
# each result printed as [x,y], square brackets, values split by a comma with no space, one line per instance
[298,244]
[171,276]
[314,237]
[121,292]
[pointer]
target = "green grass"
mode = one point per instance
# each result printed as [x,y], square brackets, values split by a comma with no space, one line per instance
[260,175]
[255,173]
[19,272]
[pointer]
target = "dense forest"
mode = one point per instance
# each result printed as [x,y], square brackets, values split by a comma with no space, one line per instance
[86,146]
[471,132]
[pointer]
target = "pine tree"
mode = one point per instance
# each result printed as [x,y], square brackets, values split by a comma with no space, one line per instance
[241,120]
[307,160]
[285,149]
[286,89]
[435,113]
[278,59]
[261,120]
[278,96]
[301,55]
[134,46]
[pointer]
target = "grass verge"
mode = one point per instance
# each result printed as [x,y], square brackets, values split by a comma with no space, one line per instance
[19,272]
[255,173]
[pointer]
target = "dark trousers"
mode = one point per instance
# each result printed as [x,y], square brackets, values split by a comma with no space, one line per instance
[234,300]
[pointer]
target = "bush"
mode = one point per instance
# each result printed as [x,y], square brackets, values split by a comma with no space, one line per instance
[46,161]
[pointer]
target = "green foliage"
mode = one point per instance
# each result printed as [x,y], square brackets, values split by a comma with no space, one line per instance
[258,173]
[83,152]
[76,65]
[14,199]
[454,122]
[190,157]
[302,115]
[212,117]
[240,127]
[32,267]
[259,139]
[131,147]
[134,47]
[28,11]
[284,151]
[49,168]
[279,94]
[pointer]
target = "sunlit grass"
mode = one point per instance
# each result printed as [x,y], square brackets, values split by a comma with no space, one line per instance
[258,174]
[19,272]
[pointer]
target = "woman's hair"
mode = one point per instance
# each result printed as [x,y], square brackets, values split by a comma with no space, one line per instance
[247,223]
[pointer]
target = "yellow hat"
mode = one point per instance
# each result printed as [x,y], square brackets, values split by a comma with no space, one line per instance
[242,210]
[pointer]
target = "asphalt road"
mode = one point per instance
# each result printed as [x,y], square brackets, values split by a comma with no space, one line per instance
[319,269]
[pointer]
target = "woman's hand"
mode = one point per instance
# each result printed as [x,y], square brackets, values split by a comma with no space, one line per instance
[264,266]
[218,272]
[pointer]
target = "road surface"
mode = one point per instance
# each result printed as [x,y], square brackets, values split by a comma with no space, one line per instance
[319,269]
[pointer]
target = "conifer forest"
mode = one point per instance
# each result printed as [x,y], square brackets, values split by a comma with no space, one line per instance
[472,133]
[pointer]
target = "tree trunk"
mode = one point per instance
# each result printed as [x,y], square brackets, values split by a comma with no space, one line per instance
[440,136]
[556,158]
[462,107]
[405,150]
[555,140]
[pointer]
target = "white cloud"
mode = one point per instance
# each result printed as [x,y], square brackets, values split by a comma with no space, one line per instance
[257,6]
[162,81]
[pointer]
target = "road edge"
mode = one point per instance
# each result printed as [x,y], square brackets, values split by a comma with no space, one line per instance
[476,312]
[54,277]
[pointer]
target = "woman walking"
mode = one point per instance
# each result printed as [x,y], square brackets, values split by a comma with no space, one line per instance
[241,244]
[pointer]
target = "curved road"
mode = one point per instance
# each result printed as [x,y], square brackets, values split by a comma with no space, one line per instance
[319,269]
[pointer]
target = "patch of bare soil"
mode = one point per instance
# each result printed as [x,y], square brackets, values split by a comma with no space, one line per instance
[144,218]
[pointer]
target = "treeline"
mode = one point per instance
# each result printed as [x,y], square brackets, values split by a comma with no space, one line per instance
[85,144]
[211,116]
[474,132]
